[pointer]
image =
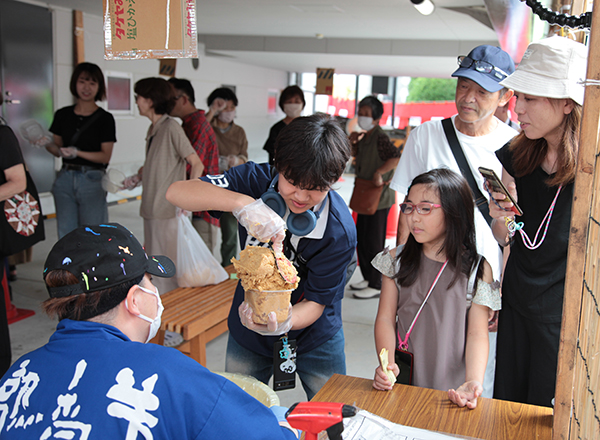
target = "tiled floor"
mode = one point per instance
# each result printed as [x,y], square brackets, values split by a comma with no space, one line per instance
[30,333]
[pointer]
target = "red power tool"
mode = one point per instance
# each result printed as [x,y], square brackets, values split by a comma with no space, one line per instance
[314,417]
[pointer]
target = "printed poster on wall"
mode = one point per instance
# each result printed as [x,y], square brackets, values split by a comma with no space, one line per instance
[135,30]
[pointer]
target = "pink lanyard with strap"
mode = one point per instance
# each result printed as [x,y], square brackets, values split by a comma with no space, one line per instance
[403,343]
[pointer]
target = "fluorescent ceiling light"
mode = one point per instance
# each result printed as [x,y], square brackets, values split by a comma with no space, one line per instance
[425,7]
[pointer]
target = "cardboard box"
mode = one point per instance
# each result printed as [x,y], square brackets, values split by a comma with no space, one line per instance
[136,30]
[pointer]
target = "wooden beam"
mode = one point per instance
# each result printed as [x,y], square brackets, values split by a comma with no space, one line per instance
[582,198]
[578,7]
[78,41]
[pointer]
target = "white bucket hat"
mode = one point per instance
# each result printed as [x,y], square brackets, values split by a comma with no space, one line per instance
[552,68]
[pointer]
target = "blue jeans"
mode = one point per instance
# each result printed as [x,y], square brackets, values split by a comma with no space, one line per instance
[79,200]
[314,368]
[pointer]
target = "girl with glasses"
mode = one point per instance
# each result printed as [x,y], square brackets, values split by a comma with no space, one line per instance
[437,293]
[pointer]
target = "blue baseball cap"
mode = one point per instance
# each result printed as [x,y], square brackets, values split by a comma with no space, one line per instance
[487,66]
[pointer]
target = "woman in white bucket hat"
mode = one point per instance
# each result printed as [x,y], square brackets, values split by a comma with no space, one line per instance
[539,170]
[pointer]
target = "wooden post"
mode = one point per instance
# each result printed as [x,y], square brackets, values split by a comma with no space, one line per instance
[78,41]
[582,197]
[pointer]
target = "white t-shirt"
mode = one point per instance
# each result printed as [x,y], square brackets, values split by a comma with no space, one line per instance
[427,148]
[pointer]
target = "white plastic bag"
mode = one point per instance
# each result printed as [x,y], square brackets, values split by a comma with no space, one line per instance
[196,266]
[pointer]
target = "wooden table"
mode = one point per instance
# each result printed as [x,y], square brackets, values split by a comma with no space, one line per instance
[198,313]
[431,409]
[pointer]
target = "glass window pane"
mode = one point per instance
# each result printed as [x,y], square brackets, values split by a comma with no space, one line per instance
[308,81]
[341,103]
[401,94]
[365,88]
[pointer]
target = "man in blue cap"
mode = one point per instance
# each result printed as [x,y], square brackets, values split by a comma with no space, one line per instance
[477,135]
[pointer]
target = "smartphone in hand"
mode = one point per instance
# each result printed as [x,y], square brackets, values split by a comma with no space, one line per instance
[496,185]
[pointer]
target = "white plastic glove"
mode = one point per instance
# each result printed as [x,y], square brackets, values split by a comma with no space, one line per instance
[271,329]
[68,152]
[223,164]
[261,221]
[131,182]
[280,412]
[233,160]
[41,142]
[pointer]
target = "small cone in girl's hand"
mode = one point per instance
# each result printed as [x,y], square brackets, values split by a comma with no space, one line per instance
[383,357]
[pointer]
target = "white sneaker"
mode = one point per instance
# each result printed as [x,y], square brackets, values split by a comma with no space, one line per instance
[367,293]
[360,286]
[172,339]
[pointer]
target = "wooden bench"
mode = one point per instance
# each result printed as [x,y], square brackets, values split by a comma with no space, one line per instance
[197,313]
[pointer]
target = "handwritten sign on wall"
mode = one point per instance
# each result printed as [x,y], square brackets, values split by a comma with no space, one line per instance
[150,29]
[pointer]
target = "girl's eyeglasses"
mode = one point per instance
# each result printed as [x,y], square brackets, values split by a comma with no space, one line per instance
[422,208]
[480,65]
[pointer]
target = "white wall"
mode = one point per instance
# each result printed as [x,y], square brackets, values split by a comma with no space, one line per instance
[252,85]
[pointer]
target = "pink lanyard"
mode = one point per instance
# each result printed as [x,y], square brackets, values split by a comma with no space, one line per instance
[533,245]
[403,343]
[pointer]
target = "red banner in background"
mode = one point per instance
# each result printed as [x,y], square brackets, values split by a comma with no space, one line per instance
[419,111]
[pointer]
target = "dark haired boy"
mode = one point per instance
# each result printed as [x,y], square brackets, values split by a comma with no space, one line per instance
[97,379]
[310,157]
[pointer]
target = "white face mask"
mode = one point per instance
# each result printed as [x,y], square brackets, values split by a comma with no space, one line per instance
[227,117]
[365,122]
[292,110]
[154,323]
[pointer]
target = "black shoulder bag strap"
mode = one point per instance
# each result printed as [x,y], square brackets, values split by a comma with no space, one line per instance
[461,160]
[84,127]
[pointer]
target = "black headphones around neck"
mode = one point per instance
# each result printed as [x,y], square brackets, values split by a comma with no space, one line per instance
[298,224]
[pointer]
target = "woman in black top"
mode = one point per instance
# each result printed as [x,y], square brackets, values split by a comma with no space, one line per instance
[538,167]
[84,135]
[292,103]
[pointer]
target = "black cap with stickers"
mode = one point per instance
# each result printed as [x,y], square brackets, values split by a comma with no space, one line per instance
[102,256]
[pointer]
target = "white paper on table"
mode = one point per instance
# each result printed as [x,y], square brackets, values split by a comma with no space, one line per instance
[367,426]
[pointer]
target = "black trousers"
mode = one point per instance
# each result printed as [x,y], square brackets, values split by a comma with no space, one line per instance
[5,352]
[370,234]
[526,358]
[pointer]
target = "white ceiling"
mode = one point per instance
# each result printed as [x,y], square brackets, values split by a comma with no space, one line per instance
[378,37]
